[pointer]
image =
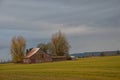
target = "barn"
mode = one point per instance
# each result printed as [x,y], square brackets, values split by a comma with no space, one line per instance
[36,55]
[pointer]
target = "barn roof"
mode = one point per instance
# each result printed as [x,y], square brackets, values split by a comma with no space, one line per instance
[32,52]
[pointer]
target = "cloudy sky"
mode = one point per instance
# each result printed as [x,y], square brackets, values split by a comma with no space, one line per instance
[89,25]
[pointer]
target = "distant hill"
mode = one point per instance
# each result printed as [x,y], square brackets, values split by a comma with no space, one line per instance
[102,53]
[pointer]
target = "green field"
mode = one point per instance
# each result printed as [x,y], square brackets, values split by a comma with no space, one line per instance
[95,68]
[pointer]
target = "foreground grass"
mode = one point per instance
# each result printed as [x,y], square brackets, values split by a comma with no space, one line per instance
[96,68]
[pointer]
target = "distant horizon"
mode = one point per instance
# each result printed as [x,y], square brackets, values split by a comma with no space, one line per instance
[94,51]
[9,58]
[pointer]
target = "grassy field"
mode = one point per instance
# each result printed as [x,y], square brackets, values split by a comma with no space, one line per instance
[96,68]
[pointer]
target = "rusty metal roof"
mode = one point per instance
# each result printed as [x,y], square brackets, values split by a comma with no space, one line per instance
[32,52]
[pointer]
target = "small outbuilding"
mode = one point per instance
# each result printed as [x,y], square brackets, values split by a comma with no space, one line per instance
[73,58]
[59,58]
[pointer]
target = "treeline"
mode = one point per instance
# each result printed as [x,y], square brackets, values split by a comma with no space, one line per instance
[58,46]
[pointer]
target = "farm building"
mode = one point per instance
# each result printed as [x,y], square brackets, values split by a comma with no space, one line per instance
[36,55]
[59,58]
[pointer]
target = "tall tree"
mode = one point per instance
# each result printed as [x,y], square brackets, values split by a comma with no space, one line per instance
[18,45]
[59,45]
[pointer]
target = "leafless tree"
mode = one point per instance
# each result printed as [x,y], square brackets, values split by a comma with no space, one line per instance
[59,45]
[17,49]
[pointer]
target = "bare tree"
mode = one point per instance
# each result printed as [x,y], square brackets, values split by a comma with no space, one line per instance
[59,45]
[18,45]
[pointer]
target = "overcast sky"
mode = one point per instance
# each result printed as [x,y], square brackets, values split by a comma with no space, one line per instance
[89,25]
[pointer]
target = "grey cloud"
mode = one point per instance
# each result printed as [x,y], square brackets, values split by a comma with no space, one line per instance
[86,23]
[97,13]
[79,12]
